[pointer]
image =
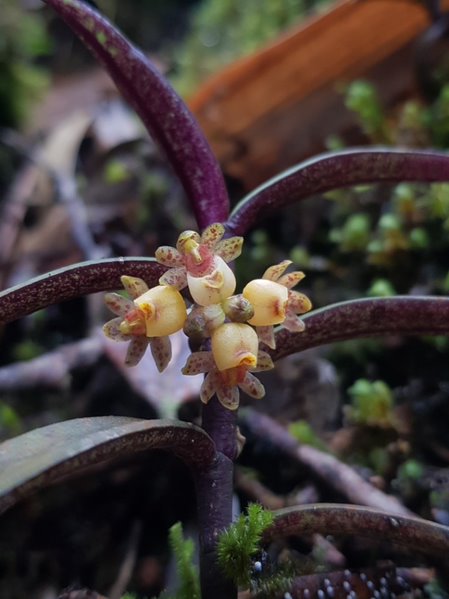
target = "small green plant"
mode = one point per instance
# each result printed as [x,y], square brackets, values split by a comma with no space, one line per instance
[183,551]
[371,403]
[240,543]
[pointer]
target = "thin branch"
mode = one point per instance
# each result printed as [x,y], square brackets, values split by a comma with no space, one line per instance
[51,370]
[326,467]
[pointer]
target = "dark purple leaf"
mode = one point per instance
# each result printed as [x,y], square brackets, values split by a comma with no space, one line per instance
[61,451]
[338,519]
[333,171]
[401,315]
[164,114]
[74,281]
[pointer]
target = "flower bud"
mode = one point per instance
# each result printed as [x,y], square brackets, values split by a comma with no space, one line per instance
[235,344]
[269,300]
[238,309]
[215,287]
[164,309]
[202,320]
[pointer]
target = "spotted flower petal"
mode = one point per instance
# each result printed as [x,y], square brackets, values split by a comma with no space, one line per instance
[293,323]
[252,386]
[264,362]
[169,256]
[212,235]
[118,304]
[209,386]
[274,272]
[228,397]
[266,335]
[291,279]
[136,349]
[133,286]
[298,303]
[175,277]
[112,330]
[161,352]
[229,249]
[199,362]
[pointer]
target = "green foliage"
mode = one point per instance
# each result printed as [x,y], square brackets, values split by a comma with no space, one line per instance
[303,432]
[241,542]
[10,422]
[381,288]
[183,550]
[362,98]
[354,235]
[371,403]
[22,39]
[223,30]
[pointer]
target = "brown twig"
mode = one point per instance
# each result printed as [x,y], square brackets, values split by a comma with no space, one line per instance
[127,567]
[326,467]
[51,369]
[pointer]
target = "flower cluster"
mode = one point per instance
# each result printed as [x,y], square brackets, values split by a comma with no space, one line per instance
[228,328]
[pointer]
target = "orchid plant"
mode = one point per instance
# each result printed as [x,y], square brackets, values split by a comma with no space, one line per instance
[192,287]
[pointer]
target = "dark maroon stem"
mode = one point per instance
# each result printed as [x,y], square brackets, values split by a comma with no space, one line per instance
[221,424]
[214,489]
[333,171]
[162,111]
[337,519]
[405,315]
[74,281]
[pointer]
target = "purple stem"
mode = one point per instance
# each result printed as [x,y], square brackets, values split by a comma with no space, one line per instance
[214,504]
[162,111]
[404,315]
[74,281]
[338,519]
[333,171]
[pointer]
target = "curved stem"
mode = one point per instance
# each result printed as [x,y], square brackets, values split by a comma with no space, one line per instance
[339,519]
[333,171]
[162,111]
[405,315]
[74,281]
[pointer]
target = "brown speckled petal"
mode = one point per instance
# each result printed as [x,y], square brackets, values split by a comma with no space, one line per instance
[134,286]
[169,256]
[198,362]
[252,386]
[112,331]
[229,249]
[229,397]
[175,277]
[264,362]
[208,387]
[161,352]
[136,349]
[266,335]
[291,279]
[293,323]
[212,235]
[274,272]
[118,304]
[298,303]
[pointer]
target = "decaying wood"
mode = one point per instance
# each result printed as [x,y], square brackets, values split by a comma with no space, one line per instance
[266,112]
